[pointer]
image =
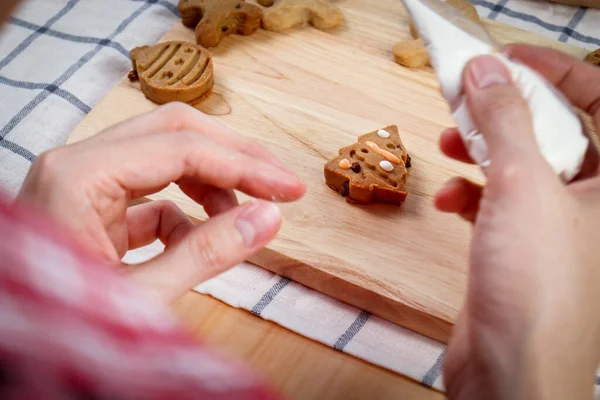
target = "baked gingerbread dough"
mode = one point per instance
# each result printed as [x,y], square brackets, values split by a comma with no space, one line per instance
[215,19]
[173,71]
[594,57]
[286,14]
[372,170]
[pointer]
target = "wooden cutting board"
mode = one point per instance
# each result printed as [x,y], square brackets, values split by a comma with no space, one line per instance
[304,94]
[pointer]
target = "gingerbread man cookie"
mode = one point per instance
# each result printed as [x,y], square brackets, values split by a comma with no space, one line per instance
[594,57]
[412,53]
[285,14]
[372,170]
[214,19]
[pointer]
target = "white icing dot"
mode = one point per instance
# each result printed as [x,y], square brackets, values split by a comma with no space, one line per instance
[386,166]
[383,134]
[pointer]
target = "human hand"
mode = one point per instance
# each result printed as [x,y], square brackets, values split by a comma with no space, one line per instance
[87,187]
[530,327]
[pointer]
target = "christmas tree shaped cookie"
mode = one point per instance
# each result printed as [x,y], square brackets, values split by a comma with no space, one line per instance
[374,169]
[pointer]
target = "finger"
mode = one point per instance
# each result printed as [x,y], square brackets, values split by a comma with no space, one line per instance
[453,146]
[214,200]
[457,356]
[140,164]
[459,196]
[578,80]
[499,111]
[174,117]
[161,220]
[213,247]
[591,164]
[584,188]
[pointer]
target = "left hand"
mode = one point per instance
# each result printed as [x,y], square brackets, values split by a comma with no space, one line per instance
[87,187]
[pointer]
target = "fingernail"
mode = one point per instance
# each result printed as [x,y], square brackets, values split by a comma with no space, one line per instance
[256,222]
[486,71]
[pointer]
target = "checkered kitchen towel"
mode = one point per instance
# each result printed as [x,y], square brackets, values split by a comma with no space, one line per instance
[58,58]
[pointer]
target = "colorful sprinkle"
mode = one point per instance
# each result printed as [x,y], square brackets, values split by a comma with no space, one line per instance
[344,164]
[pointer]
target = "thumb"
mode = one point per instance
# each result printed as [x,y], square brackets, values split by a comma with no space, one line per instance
[499,111]
[210,249]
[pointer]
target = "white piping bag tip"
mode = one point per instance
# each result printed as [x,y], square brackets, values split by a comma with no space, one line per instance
[452,40]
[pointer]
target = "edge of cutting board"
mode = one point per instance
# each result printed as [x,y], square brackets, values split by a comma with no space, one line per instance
[347,292]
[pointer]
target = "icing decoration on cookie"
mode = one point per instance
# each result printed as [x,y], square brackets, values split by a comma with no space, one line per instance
[383,134]
[344,163]
[386,154]
[386,166]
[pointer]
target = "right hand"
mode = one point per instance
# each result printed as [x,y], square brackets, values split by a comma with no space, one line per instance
[530,327]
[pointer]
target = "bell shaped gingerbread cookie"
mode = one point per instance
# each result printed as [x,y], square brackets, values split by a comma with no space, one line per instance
[373,170]
[215,19]
[286,14]
[173,71]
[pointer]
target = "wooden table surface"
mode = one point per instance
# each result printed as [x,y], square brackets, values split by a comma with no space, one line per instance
[299,368]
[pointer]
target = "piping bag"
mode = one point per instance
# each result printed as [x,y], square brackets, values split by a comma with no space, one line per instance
[452,40]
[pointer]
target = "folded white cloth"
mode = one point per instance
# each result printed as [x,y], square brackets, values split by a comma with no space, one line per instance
[322,318]
[59,58]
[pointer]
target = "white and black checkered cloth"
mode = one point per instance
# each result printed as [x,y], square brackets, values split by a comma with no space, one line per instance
[59,58]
